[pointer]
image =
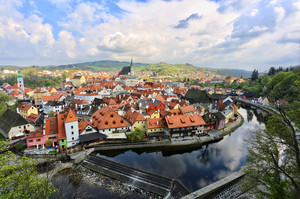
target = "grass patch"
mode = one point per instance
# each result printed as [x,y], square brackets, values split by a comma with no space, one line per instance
[52,152]
[235,128]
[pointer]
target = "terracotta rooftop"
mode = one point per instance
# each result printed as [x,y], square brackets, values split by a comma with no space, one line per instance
[33,117]
[134,116]
[179,121]
[187,109]
[83,124]
[25,107]
[154,123]
[106,118]
[71,117]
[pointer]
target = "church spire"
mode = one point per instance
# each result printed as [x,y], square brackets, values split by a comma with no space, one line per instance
[131,65]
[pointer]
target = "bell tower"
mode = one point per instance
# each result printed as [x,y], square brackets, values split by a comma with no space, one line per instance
[20,80]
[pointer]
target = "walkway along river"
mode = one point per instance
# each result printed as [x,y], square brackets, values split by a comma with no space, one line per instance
[197,167]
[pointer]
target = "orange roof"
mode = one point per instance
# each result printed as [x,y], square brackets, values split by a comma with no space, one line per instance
[106,118]
[175,112]
[37,133]
[15,92]
[71,117]
[32,117]
[187,109]
[51,126]
[61,127]
[132,117]
[25,107]
[154,123]
[15,86]
[160,98]
[179,121]
[83,124]
[27,90]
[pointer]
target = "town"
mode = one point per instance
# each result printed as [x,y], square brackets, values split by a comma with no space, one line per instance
[87,110]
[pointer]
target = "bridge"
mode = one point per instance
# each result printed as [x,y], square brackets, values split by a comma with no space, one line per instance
[268,109]
[160,185]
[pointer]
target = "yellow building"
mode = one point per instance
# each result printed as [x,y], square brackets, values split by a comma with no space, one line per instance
[27,109]
[154,114]
[136,120]
[37,95]
[154,126]
[228,113]
[78,80]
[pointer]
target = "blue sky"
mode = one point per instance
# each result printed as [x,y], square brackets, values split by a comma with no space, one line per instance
[246,34]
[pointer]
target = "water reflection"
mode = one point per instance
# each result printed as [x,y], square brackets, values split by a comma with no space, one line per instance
[197,167]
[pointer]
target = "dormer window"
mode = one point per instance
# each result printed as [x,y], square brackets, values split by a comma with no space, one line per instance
[111,115]
[106,122]
[114,122]
[122,121]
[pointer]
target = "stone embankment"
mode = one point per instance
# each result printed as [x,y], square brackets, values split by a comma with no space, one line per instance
[212,136]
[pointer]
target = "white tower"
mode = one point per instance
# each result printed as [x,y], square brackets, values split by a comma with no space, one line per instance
[71,129]
[20,80]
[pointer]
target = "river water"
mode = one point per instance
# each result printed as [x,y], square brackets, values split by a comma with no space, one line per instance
[197,168]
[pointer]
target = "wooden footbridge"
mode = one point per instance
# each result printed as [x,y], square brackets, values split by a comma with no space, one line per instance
[163,186]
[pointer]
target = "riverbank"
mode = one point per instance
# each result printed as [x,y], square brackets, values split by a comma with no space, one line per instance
[211,136]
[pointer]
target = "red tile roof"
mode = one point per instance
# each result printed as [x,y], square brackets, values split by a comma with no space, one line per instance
[61,127]
[83,124]
[25,107]
[51,126]
[187,109]
[132,117]
[106,118]
[179,121]
[71,117]
[154,123]
[33,117]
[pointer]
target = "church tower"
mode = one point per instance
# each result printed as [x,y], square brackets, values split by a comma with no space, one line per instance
[131,69]
[20,80]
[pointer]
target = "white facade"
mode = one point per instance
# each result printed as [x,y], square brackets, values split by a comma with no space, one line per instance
[88,98]
[112,130]
[72,133]
[88,129]
[18,130]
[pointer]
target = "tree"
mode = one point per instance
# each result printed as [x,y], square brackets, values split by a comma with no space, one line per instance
[136,135]
[273,169]
[254,75]
[19,179]
[272,71]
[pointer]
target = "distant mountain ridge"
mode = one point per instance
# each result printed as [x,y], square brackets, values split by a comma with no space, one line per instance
[161,68]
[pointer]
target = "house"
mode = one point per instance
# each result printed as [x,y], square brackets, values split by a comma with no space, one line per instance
[37,139]
[108,122]
[155,127]
[27,109]
[136,120]
[37,95]
[53,106]
[188,110]
[184,125]
[71,128]
[35,119]
[214,120]
[89,134]
[78,80]
[13,125]
[228,113]
[263,100]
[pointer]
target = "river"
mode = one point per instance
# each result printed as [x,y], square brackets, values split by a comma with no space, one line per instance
[197,168]
[194,167]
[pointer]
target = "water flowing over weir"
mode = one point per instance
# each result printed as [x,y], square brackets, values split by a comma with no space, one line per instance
[163,186]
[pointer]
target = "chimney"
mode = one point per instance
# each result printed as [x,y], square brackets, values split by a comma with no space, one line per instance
[215,91]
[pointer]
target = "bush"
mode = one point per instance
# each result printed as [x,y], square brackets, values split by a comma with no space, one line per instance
[136,135]
[19,147]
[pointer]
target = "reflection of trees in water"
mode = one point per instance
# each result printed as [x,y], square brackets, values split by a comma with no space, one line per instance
[261,115]
[206,154]
[249,115]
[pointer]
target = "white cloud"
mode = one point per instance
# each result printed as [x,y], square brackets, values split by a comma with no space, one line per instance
[227,34]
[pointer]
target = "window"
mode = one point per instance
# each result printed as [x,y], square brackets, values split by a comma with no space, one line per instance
[71,127]
[30,140]
[72,138]
[38,140]
[72,133]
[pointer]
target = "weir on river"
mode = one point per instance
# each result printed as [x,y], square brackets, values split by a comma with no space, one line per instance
[163,186]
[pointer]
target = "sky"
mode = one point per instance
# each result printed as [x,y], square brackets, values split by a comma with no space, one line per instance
[237,34]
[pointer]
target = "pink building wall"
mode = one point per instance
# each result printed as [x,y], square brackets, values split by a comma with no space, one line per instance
[43,139]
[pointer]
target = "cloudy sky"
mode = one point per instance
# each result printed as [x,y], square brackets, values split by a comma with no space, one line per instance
[247,34]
